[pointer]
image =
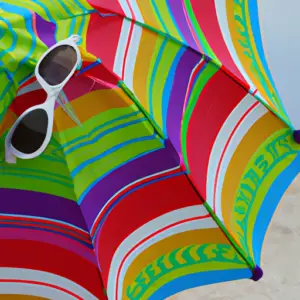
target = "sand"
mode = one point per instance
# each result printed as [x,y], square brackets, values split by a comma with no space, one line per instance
[281,261]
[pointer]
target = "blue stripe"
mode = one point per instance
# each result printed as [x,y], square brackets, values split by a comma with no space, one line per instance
[198,279]
[104,133]
[14,37]
[255,25]
[270,204]
[93,184]
[128,193]
[153,75]
[83,165]
[168,88]
[94,64]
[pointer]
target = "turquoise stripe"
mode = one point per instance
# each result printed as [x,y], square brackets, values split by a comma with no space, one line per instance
[102,134]
[98,128]
[81,166]
[159,16]
[14,36]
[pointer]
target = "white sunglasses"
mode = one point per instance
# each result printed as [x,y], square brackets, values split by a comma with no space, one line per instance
[31,133]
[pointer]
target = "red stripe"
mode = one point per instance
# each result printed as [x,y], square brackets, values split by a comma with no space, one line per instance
[27,100]
[27,82]
[129,39]
[217,100]
[206,15]
[42,284]
[131,10]
[127,48]
[50,258]
[123,192]
[103,36]
[107,6]
[225,148]
[148,238]
[140,207]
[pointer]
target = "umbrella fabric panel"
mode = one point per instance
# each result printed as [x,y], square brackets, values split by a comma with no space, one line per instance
[235,151]
[148,165]
[158,237]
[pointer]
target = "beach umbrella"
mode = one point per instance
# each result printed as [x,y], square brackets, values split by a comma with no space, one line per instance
[183,151]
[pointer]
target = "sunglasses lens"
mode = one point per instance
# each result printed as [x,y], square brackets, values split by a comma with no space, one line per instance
[31,131]
[58,64]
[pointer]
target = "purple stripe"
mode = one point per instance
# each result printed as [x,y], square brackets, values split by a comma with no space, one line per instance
[45,30]
[180,17]
[146,165]
[30,203]
[182,75]
[49,238]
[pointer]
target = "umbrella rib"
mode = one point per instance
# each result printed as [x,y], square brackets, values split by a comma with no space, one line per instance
[230,238]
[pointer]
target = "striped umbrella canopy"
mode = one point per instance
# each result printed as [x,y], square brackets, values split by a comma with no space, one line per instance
[184,152]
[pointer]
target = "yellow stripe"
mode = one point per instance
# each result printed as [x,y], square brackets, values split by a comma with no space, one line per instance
[148,14]
[232,10]
[142,67]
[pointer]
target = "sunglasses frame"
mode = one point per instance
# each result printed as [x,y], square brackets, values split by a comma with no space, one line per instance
[52,91]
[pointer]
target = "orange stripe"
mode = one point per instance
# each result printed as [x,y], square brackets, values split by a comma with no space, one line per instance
[90,105]
[258,133]
[225,149]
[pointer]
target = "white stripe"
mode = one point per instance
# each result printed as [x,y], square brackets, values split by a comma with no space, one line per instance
[40,276]
[123,40]
[223,21]
[220,142]
[125,8]
[148,229]
[29,88]
[127,186]
[16,288]
[132,54]
[136,11]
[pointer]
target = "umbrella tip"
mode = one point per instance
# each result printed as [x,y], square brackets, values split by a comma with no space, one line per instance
[296,135]
[257,273]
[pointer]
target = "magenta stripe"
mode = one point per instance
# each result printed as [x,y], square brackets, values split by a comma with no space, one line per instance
[50,238]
